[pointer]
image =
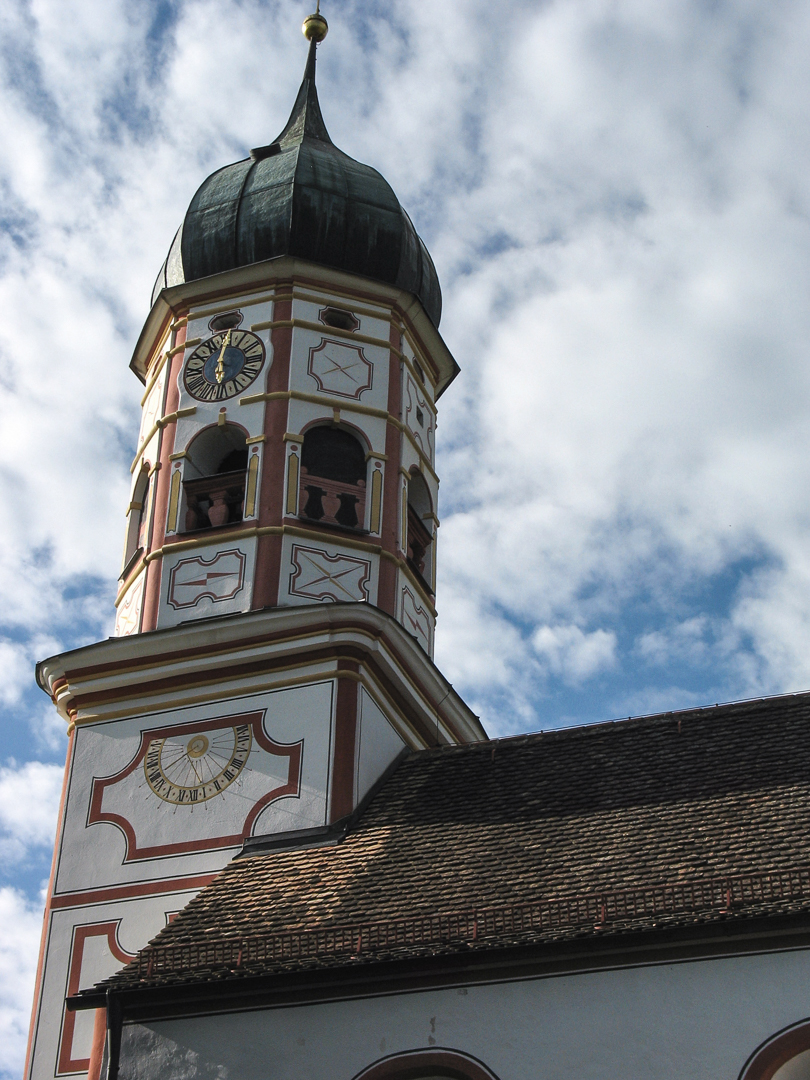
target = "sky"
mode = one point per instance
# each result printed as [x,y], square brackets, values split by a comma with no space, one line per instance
[616,194]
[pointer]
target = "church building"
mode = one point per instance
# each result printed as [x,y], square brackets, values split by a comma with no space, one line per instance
[286,848]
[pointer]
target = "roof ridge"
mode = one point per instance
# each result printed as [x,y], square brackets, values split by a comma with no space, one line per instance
[620,721]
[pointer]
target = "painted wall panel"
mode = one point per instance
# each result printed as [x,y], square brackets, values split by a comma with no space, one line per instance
[86,944]
[377,745]
[206,581]
[126,821]
[314,571]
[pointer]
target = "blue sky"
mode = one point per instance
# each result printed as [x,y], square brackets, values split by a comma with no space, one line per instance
[616,194]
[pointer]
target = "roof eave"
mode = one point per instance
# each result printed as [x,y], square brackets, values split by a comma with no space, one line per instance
[701,941]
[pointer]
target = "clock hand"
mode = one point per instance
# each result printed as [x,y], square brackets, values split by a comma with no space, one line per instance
[220,368]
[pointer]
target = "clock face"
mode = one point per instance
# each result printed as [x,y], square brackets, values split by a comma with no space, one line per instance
[191,769]
[224,365]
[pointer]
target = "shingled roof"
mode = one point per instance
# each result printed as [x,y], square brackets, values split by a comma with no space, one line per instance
[675,820]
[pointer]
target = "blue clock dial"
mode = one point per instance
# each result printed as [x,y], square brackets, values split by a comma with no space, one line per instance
[224,365]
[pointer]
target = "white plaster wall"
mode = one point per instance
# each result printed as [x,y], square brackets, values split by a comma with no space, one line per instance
[409,351]
[373,327]
[687,1021]
[129,610]
[91,857]
[413,612]
[415,402]
[152,406]
[377,745]
[374,396]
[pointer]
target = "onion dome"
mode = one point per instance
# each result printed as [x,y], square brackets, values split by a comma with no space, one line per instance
[301,196]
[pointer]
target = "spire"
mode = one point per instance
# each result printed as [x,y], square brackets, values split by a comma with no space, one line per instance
[305,120]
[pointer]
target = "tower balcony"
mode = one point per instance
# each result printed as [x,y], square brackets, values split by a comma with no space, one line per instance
[216,500]
[333,502]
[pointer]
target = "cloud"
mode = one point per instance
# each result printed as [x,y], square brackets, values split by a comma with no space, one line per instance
[29,804]
[20,930]
[573,654]
[623,260]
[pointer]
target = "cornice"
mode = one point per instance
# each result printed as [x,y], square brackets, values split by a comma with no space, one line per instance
[175,303]
[243,653]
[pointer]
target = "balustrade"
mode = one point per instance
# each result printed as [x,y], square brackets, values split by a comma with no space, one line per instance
[333,502]
[216,500]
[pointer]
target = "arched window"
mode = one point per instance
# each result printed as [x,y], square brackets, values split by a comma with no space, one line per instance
[333,478]
[420,526]
[138,519]
[143,515]
[214,477]
[427,1065]
[785,1056]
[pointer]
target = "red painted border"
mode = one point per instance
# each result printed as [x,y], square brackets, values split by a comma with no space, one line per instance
[342,802]
[437,1061]
[776,1052]
[126,892]
[292,750]
[267,566]
[171,402]
[66,1063]
[97,1045]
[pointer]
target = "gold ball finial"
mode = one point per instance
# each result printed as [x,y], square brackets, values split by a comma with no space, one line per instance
[315,27]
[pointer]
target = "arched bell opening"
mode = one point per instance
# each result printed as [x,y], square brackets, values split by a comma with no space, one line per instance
[420,528]
[214,477]
[333,478]
[137,539]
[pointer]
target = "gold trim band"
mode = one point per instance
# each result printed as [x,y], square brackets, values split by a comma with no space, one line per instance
[161,422]
[267,298]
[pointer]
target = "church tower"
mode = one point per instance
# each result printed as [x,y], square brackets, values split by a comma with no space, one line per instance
[275,614]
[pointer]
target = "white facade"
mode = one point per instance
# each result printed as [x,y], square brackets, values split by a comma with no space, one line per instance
[700,1020]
